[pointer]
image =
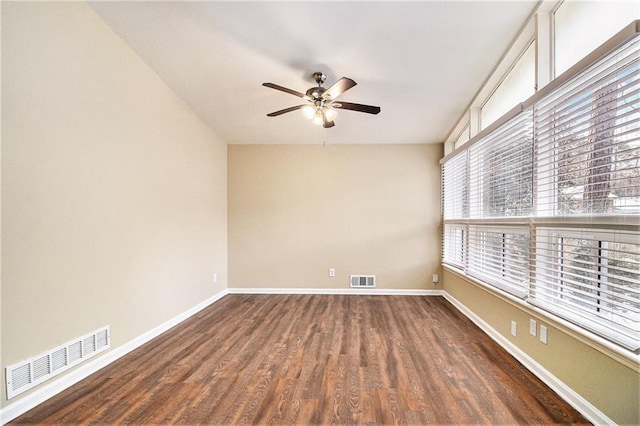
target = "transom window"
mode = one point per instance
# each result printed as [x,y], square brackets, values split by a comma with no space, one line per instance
[582,26]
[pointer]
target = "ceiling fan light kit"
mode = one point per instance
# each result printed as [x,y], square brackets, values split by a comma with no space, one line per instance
[321,106]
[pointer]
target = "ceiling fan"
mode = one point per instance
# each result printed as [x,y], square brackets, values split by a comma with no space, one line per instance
[321,102]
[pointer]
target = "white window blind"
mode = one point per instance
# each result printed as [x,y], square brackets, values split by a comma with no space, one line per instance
[454,245]
[500,256]
[588,140]
[501,170]
[591,277]
[455,194]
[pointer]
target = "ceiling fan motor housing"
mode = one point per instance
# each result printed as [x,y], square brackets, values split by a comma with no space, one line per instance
[315,93]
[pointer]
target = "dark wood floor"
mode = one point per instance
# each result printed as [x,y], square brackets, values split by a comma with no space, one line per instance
[302,359]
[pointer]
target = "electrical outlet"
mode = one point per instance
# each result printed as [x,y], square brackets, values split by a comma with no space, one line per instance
[533,327]
[332,272]
[434,278]
[543,334]
[514,328]
[215,277]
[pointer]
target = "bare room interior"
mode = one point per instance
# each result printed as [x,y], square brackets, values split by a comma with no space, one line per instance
[364,212]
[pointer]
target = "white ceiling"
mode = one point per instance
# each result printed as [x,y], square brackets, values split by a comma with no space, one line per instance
[421,62]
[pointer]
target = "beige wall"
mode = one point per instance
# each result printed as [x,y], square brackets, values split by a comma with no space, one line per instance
[297,210]
[609,385]
[113,191]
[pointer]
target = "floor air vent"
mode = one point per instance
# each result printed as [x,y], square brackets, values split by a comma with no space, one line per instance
[27,374]
[367,281]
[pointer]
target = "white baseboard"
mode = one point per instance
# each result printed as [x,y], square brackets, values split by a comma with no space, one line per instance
[590,412]
[361,291]
[50,389]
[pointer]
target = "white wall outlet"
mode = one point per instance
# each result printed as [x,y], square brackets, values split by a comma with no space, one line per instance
[215,277]
[332,272]
[434,278]
[533,327]
[514,328]
[543,334]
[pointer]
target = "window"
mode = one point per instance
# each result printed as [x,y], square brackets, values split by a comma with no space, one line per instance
[590,277]
[588,140]
[518,85]
[582,26]
[454,252]
[455,189]
[501,167]
[546,206]
[500,256]
[463,138]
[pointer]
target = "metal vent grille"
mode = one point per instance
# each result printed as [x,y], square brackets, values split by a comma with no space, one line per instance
[29,373]
[41,367]
[75,351]
[59,359]
[367,281]
[89,344]
[102,339]
[20,377]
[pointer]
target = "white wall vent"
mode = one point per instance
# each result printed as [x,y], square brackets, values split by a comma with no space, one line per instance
[24,375]
[367,281]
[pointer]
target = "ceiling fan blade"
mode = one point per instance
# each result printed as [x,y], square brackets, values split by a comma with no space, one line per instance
[338,88]
[326,123]
[369,109]
[284,89]
[284,111]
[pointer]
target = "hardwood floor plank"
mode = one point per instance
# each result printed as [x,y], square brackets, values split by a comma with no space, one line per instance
[314,359]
